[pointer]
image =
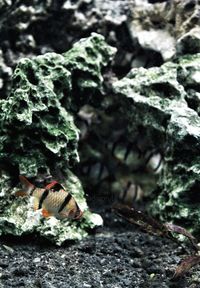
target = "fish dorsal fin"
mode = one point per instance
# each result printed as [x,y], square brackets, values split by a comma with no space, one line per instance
[55,186]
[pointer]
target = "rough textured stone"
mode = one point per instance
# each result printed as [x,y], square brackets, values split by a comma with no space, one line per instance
[31,28]
[185,14]
[189,43]
[168,28]
[44,90]
[38,135]
[154,103]
[149,27]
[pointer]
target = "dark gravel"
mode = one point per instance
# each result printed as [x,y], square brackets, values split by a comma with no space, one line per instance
[116,256]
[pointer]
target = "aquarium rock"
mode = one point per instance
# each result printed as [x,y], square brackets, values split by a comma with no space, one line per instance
[38,136]
[161,108]
[165,27]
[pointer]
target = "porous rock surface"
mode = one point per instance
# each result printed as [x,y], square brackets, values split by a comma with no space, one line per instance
[157,107]
[34,27]
[38,134]
[165,27]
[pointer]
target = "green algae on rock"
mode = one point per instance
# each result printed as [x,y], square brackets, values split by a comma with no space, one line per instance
[38,134]
[20,218]
[155,104]
[44,90]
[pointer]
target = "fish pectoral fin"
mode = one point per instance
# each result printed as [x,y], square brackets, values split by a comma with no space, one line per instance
[46,213]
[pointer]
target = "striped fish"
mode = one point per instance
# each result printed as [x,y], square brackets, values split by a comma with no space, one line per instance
[122,149]
[134,154]
[153,161]
[54,200]
[132,193]
[96,171]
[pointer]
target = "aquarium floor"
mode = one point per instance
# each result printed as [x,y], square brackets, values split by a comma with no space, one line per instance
[115,256]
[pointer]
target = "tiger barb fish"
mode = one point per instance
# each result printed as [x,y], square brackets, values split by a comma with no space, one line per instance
[54,200]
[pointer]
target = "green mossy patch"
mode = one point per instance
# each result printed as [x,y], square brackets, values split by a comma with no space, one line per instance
[38,136]
[155,101]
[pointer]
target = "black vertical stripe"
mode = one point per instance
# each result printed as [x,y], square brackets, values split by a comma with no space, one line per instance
[88,170]
[158,166]
[114,146]
[44,196]
[151,154]
[100,171]
[127,151]
[125,191]
[33,189]
[86,122]
[65,202]
[138,150]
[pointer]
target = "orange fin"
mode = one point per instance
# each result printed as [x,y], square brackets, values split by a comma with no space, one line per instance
[20,193]
[45,213]
[54,185]
[35,204]
[50,185]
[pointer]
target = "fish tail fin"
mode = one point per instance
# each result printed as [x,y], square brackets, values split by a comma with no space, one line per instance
[80,215]
[27,187]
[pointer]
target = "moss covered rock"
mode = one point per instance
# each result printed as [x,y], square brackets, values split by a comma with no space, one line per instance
[159,104]
[38,136]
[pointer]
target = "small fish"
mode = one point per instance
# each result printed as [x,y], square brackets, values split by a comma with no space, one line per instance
[131,194]
[127,153]
[53,199]
[96,171]
[154,161]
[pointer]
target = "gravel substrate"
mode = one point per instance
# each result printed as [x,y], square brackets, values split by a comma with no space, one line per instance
[116,256]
